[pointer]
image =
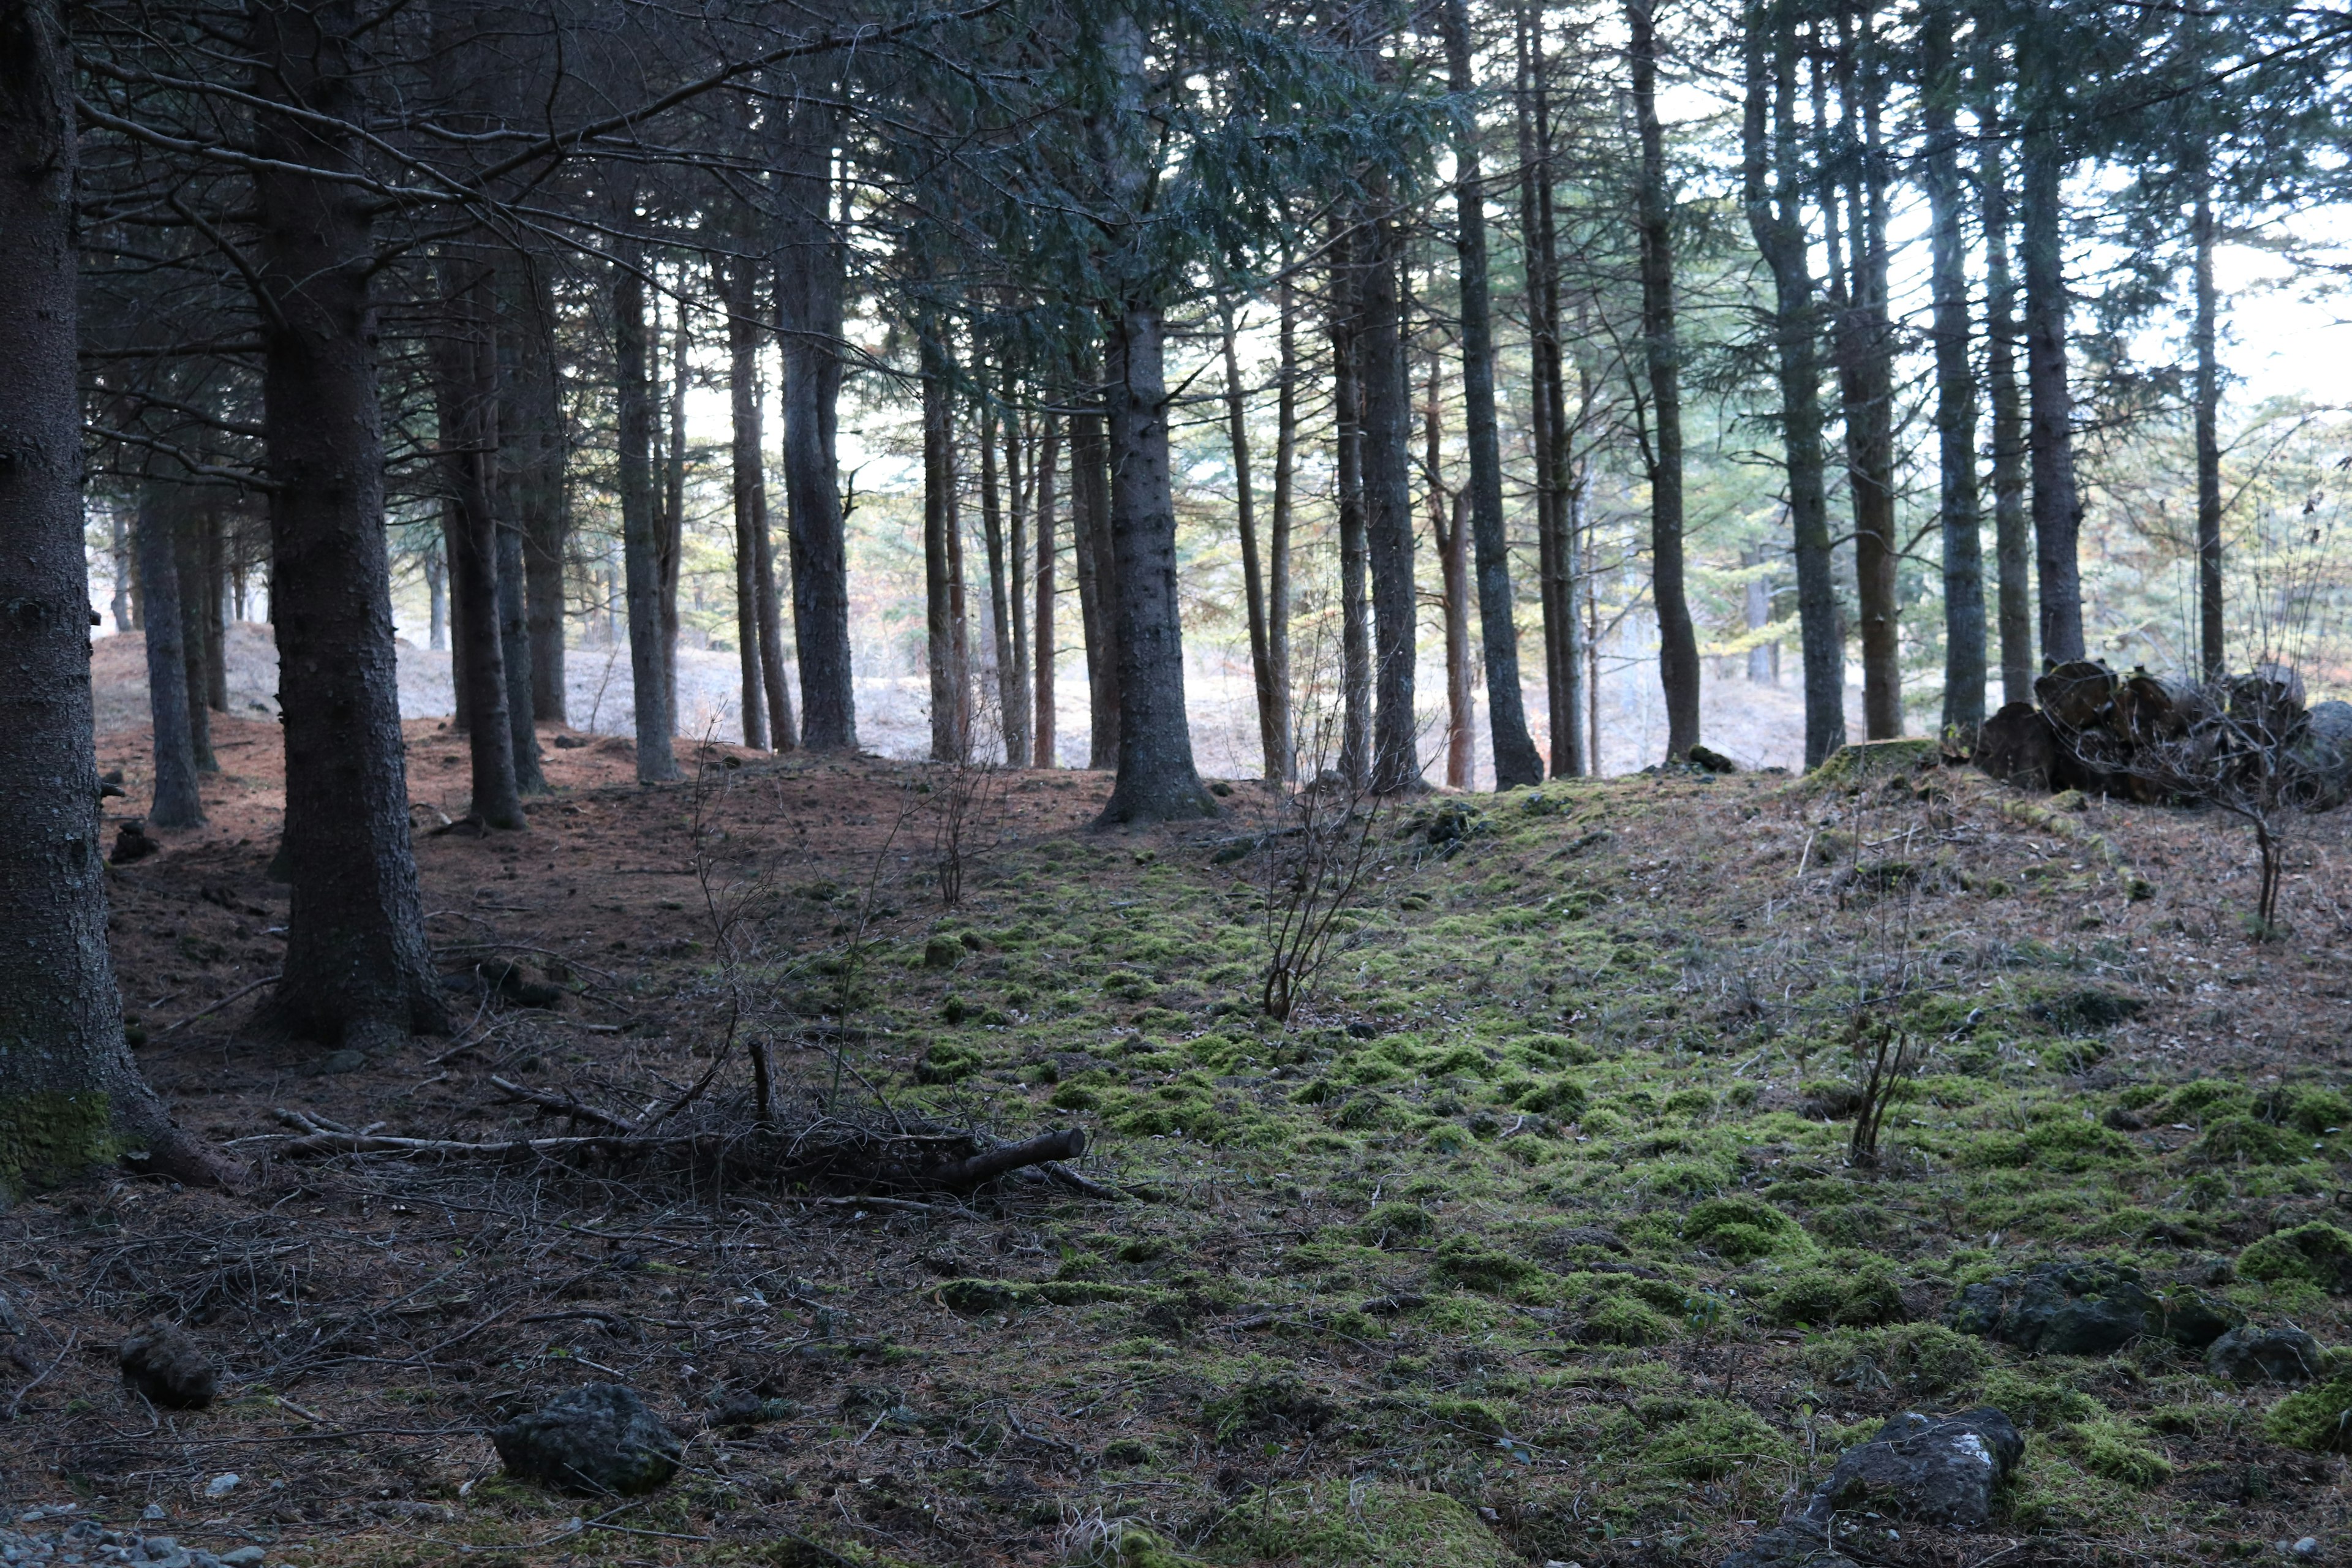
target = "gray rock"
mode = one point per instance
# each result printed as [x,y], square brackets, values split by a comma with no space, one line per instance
[243,1557]
[2265,1356]
[12,1322]
[170,1368]
[596,1438]
[1938,1470]
[2309,1545]
[2084,1308]
[1789,1546]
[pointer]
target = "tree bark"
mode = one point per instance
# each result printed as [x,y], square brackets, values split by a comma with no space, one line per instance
[1956,392]
[1386,404]
[2212,632]
[70,1098]
[2013,542]
[2057,506]
[810,286]
[1042,755]
[1348,416]
[437,589]
[640,528]
[214,608]
[1011,691]
[1277,571]
[950,737]
[1157,781]
[749,484]
[1098,582]
[514,650]
[1447,518]
[1273,745]
[1548,428]
[669,538]
[530,429]
[356,963]
[1517,761]
[1020,727]
[174,802]
[1678,667]
[188,560]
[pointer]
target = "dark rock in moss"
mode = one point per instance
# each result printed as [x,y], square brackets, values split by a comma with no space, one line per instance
[2084,1308]
[169,1367]
[597,1438]
[1936,1469]
[2317,1253]
[2265,1356]
[1789,1546]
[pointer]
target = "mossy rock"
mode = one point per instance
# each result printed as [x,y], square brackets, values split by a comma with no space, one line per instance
[1705,1439]
[1741,1229]
[2316,1254]
[1466,1263]
[1913,1359]
[2039,1402]
[1857,761]
[1560,1097]
[2242,1140]
[2192,1100]
[1396,1222]
[2310,1112]
[1377,1526]
[2318,1419]
[949,1063]
[1623,1320]
[1847,1294]
[2120,1453]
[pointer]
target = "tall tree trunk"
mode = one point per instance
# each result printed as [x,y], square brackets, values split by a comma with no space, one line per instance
[437,589]
[1042,754]
[215,609]
[1347,415]
[750,483]
[460,719]
[1277,571]
[1010,690]
[188,558]
[514,649]
[1956,392]
[949,738]
[1387,399]
[1097,583]
[2013,542]
[1157,780]
[2212,651]
[356,964]
[2057,505]
[1678,669]
[531,432]
[1019,728]
[174,803]
[465,401]
[1447,516]
[70,1098]
[669,542]
[810,285]
[521,476]
[1773,189]
[1763,658]
[1517,761]
[1548,423]
[119,557]
[656,722]
[1273,746]
[783,731]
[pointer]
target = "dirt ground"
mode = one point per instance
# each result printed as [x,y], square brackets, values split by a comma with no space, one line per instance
[1362,1304]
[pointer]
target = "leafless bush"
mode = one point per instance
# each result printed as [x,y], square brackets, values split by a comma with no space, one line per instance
[1314,868]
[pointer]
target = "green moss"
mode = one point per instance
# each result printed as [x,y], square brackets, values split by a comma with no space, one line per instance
[2112,1449]
[2041,1403]
[47,1139]
[1742,1229]
[1848,1293]
[949,1062]
[1352,1525]
[1859,761]
[2319,1418]
[2242,1140]
[1466,1263]
[1621,1320]
[1910,1358]
[2315,1254]
[1702,1440]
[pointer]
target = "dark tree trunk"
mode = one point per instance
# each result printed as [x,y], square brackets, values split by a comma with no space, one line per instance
[1388,510]
[809,288]
[1048,462]
[436,596]
[2212,634]
[669,540]
[1097,583]
[2013,541]
[1447,517]
[1012,694]
[531,432]
[783,731]
[70,1098]
[656,722]
[174,803]
[1955,392]
[1277,571]
[125,618]
[1777,222]
[356,964]
[1678,669]
[465,396]
[1020,727]
[188,560]
[1274,746]
[519,467]
[1348,417]
[214,610]
[1157,780]
[460,718]
[1517,761]
[750,485]
[2057,507]
[514,650]
[950,736]
[1547,421]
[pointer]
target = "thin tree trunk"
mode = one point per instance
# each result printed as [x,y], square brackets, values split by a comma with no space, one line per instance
[1098,585]
[1042,754]
[2212,634]
[1955,392]
[119,557]
[809,278]
[1355,632]
[436,588]
[465,398]
[2013,541]
[188,558]
[175,802]
[750,486]
[517,470]
[948,737]
[214,610]
[2057,506]
[669,543]
[1447,516]
[1763,658]
[70,1098]
[1157,780]
[1678,667]
[1277,572]
[356,964]
[514,649]
[530,431]
[1544,391]
[1272,745]
[1019,728]
[783,731]
[460,718]
[1010,690]
[640,530]
[1386,397]
[1517,761]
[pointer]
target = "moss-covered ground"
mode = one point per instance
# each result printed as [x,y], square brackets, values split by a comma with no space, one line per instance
[1533,1236]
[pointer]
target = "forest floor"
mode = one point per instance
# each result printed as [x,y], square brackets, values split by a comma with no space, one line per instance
[1531,1237]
